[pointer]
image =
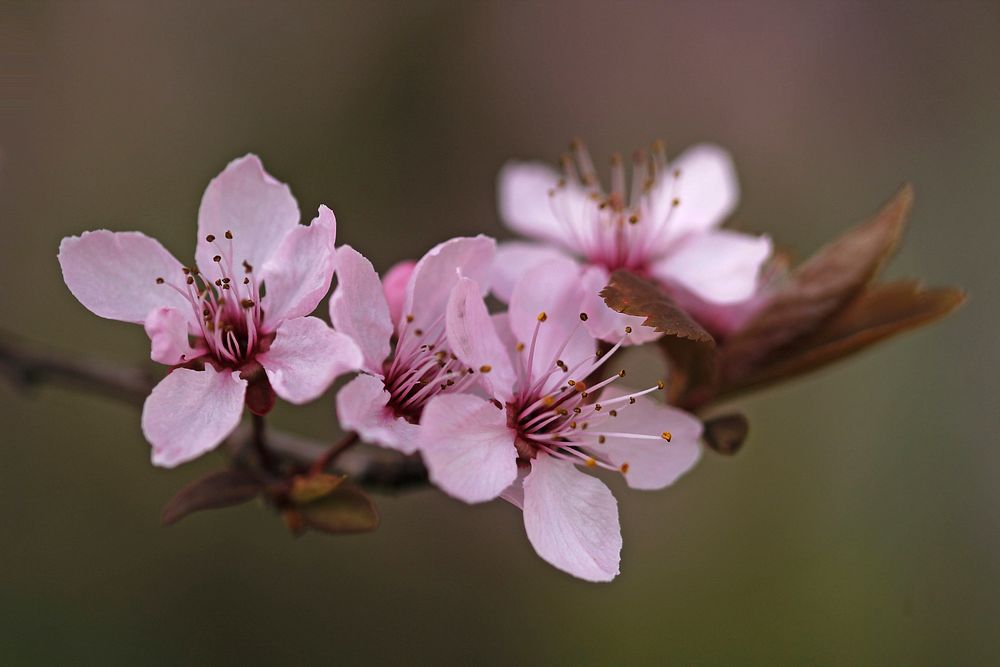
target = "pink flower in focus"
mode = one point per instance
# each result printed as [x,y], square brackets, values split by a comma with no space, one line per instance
[666,228]
[384,404]
[238,319]
[543,421]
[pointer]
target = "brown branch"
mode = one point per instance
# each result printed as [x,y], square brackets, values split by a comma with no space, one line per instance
[25,368]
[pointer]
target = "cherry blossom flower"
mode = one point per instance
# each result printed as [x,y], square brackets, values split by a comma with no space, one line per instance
[666,228]
[235,327]
[384,403]
[547,413]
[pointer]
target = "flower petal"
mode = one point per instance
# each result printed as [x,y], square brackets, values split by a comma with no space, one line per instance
[298,275]
[394,285]
[247,201]
[439,270]
[473,338]
[113,274]
[572,520]
[468,449]
[652,464]
[190,412]
[605,323]
[306,357]
[167,329]
[514,494]
[721,266]
[552,288]
[513,259]
[359,309]
[529,198]
[362,406]
[707,191]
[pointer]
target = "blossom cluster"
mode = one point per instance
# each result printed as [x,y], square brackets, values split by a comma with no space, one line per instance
[520,402]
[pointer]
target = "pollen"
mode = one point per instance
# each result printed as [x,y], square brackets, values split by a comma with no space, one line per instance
[542,316]
[660,385]
[409,318]
[633,219]
[628,330]
[519,347]
[485,368]
[548,401]
[675,202]
[666,436]
[624,468]
[418,332]
[591,462]
[580,386]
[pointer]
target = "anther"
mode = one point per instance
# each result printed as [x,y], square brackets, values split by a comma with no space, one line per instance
[217,258]
[660,385]
[562,412]
[160,281]
[409,318]
[628,330]
[597,407]
[624,468]
[247,268]
[246,303]
[675,202]
[591,462]
[666,436]
[621,373]
[190,280]
[542,316]
[246,281]
[485,368]
[577,410]
[519,347]
[583,316]
[229,235]
[631,400]
[210,238]
[495,402]
[633,219]
[601,439]
[418,332]
[613,413]
[186,270]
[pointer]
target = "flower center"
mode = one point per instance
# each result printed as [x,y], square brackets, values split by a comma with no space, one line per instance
[227,309]
[559,412]
[421,367]
[607,228]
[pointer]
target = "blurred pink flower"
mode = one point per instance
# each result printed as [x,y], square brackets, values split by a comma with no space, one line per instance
[667,228]
[213,322]
[384,404]
[541,421]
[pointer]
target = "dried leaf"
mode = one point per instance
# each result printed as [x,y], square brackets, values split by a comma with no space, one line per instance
[224,488]
[346,510]
[309,488]
[818,288]
[690,347]
[878,313]
[726,433]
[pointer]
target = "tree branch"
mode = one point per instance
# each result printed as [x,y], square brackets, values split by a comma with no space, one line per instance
[25,367]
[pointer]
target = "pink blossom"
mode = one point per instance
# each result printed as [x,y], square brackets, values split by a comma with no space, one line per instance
[666,228]
[239,318]
[544,416]
[385,403]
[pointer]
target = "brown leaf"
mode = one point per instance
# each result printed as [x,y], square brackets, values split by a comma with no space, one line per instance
[219,489]
[878,313]
[312,487]
[818,288]
[346,510]
[726,433]
[690,347]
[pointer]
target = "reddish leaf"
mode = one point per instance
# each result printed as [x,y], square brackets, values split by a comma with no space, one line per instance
[818,288]
[726,434]
[345,510]
[309,488]
[219,489]
[690,347]
[878,313]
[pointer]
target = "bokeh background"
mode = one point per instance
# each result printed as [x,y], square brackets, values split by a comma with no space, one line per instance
[859,525]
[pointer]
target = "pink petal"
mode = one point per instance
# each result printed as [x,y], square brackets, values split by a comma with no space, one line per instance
[306,357]
[513,259]
[439,270]
[114,274]
[529,199]
[394,285]
[605,323]
[707,189]
[249,202]
[167,329]
[362,407]
[474,340]
[721,266]
[514,494]
[359,309]
[298,275]
[553,288]
[652,464]
[572,520]
[191,412]
[468,449]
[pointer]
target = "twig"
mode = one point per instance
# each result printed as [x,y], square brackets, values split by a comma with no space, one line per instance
[323,462]
[26,367]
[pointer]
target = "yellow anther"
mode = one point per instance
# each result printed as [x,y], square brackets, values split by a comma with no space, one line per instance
[591,462]
[675,202]
[660,385]
[624,468]
[409,318]
[519,347]
[548,401]
[621,373]
[485,368]
[542,316]
[666,436]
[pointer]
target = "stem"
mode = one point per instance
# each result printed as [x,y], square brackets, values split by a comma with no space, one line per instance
[324,461]
[259,443]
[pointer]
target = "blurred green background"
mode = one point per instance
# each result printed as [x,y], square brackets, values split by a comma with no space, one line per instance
[859,525]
